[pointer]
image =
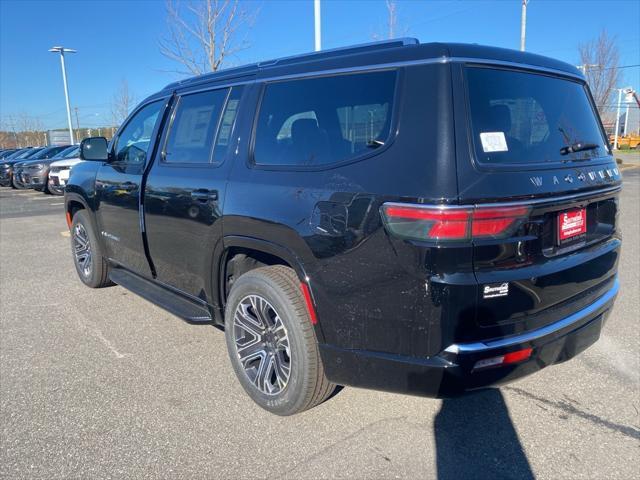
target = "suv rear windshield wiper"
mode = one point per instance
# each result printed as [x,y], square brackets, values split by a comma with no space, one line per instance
[578,147]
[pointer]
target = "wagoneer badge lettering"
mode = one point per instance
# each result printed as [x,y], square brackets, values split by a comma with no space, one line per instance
[537,181]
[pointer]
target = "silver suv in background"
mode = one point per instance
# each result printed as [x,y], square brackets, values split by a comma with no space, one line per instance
[59,170]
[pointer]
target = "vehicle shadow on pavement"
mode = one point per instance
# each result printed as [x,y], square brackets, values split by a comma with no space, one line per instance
[475,438]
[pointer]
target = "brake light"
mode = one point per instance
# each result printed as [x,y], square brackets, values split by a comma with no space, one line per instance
[452,223]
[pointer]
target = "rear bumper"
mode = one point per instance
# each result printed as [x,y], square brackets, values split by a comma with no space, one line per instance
[451,372]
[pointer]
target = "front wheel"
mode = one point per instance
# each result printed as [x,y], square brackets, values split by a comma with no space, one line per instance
[272,343]
[90,264]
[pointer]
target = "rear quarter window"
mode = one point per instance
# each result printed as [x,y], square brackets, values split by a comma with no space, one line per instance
[527,118]
[326,120]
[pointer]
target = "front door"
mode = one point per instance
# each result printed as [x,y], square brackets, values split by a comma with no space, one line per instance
[185,188]
[118,185]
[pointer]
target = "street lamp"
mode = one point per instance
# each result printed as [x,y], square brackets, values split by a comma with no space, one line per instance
[62,51]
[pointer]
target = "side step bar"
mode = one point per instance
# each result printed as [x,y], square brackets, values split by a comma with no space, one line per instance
[179,305]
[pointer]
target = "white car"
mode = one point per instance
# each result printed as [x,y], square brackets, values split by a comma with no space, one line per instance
[60,169]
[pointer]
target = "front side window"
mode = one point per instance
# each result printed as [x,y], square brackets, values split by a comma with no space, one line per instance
[135,139]
[320,121]
[194,127]
[526,118]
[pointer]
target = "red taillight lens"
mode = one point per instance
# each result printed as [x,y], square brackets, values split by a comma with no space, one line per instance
[495,221]
[427,222]
[446,223]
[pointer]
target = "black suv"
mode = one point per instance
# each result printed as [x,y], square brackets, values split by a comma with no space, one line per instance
[417,218]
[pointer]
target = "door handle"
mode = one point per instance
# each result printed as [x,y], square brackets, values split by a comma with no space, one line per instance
[204,196]
[128,186]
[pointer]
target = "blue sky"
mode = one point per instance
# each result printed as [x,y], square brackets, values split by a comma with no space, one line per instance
[119,40]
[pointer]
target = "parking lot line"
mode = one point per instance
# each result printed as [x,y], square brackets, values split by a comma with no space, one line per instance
[60,203]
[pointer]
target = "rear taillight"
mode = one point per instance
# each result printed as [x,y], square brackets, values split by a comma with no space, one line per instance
[452,224]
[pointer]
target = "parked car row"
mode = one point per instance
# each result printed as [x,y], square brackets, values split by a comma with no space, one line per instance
[45,169]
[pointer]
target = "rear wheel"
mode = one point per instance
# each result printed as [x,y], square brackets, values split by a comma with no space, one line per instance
[272,343]
[90,264]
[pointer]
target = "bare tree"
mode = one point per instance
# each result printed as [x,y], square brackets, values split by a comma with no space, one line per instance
[392,19]
[394,29]
[122,103]
[599,59]
[30,131]
[204,36]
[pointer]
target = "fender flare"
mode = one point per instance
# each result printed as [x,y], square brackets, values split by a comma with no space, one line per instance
[271,248]
[77,197]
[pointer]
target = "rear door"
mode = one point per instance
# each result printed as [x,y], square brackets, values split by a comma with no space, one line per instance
[185,188]
[118,185]
[532,142]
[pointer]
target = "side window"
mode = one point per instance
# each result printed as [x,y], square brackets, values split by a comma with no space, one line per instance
[285,130]
[319,121]
[223,140]
[194,127]
[134,140]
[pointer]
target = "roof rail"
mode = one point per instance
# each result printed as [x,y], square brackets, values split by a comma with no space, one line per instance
[247,69]
[362,47]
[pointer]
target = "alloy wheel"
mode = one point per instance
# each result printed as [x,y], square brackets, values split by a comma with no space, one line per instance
[82,249]
[262,344]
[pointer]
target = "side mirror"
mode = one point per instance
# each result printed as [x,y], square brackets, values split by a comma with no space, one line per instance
[94,148]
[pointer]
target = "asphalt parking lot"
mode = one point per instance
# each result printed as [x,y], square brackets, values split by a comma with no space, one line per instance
[100,383]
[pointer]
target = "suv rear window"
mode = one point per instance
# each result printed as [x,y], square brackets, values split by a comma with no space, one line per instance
[526,118]
[319,121]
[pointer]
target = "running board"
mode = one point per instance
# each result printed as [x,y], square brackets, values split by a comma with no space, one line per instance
[179,305]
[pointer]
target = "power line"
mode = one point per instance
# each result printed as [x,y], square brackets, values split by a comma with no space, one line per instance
[617,68]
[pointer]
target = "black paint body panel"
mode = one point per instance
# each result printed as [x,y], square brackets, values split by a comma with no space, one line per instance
[387,307]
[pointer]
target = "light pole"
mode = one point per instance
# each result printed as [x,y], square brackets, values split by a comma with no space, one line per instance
[317,25]
[523,24]
[62,51]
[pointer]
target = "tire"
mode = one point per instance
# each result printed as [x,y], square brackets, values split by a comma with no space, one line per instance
[95,273]
[275,291]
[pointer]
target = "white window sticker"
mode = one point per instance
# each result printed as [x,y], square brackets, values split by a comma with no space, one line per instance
[493,142]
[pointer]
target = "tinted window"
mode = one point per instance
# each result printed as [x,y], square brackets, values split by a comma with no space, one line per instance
[49,152]
[68,152]
[324,120]
[134,140]
[30,153]
[223,140]
[528,118]
[194,126]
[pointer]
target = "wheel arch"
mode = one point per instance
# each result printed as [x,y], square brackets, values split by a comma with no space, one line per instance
[257,253]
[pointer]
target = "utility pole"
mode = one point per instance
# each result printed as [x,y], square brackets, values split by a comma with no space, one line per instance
[77,124]
[523,25]
[615,139]
[317,25]
[62,51]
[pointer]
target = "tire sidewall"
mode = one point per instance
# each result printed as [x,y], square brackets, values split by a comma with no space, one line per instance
[290,400]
